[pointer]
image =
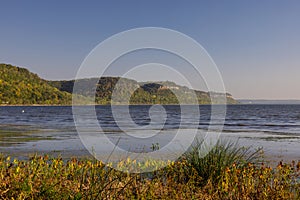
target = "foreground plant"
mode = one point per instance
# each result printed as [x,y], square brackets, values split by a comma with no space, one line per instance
[262,182]
[42,177]
[221,156]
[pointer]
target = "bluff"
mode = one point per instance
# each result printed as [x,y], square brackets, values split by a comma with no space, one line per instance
[164,92]
[20,86]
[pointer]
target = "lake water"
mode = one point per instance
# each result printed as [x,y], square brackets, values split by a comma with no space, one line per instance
[51,129]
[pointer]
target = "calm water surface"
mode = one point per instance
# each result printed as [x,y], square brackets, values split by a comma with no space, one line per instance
[51,128]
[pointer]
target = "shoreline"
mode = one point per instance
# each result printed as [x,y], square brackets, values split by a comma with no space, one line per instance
[70,105]
[273,152]
[268,159]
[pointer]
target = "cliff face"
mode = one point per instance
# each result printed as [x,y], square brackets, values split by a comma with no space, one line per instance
[140,93]
[19,86]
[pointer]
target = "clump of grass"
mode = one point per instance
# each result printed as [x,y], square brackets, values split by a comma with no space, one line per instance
[223,155]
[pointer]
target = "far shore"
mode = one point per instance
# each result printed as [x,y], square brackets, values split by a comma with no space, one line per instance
[6,105]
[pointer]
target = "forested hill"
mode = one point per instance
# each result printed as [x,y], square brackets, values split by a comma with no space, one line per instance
[19,86]
[144,92]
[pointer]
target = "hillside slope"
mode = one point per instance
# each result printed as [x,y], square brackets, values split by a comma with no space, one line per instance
[19,86]
[164,92]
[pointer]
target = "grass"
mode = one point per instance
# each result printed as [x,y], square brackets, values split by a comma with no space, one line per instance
[223,155]
[227,172]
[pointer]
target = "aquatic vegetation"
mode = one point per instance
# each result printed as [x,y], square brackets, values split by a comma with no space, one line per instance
[42,177]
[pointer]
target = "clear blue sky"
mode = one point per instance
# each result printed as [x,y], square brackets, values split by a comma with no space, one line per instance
[256,44]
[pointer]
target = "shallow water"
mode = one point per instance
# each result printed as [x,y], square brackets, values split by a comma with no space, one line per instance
[46,129]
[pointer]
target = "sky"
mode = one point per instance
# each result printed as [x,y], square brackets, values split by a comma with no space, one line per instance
[255,44]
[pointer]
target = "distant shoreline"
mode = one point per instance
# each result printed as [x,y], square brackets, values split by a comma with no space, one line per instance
[264,101]
[240,102]
[53,105]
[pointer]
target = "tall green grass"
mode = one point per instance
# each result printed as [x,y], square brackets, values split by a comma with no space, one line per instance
[223,155]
